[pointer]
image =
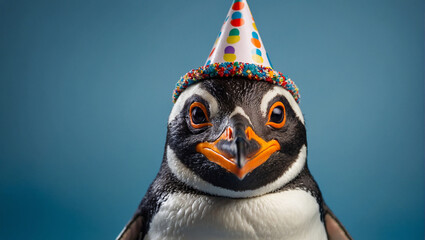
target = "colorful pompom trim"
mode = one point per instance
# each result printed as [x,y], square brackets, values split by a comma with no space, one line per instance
[235,69]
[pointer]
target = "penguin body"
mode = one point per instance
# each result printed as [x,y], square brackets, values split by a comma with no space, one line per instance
[293,214]
[234,167]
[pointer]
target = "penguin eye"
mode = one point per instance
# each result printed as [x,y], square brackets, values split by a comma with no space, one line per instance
[198,115]
[277,116]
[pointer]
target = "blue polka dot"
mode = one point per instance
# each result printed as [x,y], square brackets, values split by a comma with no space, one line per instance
[256,51]
[236,15]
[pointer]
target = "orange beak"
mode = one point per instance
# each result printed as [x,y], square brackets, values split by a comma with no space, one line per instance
[249,151]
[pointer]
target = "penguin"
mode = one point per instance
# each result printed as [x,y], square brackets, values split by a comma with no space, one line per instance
[234,167]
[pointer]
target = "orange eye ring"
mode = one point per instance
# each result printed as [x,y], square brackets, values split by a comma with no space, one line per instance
[273,124]
[204,109]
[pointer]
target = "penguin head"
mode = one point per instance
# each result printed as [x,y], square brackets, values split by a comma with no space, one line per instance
[236,137]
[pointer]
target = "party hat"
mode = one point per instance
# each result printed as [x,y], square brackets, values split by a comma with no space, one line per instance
[239,40]
[238,51]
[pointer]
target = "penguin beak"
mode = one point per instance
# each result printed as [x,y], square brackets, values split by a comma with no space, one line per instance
[239,150]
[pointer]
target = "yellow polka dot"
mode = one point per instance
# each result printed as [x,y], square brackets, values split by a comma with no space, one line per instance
[228,57]
[257,58]
[255,26]
[233,39]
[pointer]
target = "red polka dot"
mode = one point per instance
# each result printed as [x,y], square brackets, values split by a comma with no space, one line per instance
[212,51]
[237,22]
[238,6]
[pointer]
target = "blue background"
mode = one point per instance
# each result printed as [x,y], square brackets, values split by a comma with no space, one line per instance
[86,87]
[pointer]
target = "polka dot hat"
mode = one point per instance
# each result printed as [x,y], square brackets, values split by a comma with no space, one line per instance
[237,52]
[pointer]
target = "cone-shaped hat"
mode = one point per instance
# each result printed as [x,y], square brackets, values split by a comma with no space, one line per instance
[237,52]
[239,40]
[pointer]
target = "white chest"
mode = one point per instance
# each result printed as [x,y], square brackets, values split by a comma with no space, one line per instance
[287,215]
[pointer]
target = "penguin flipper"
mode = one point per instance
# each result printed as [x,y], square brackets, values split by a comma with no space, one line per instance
[133,229]
[334,228]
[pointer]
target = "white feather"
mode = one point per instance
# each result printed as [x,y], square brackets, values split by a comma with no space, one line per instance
[190,91]
[280,91]
[239,110]
[290,215]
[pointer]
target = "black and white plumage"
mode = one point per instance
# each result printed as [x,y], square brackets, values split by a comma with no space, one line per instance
[232,172]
